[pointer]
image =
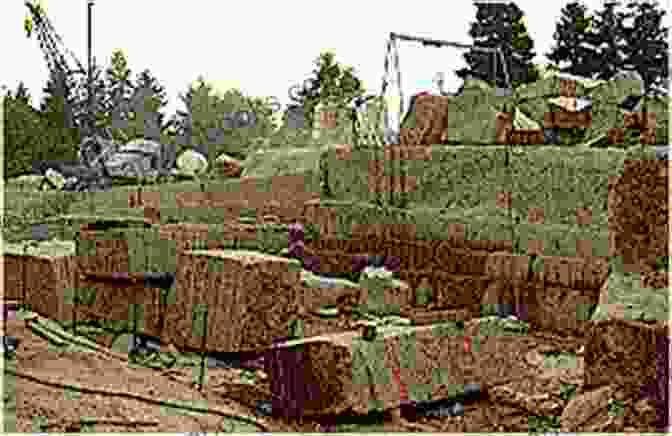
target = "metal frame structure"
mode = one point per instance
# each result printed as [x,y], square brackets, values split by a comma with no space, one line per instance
[52,45]
[55,51]
[393,49]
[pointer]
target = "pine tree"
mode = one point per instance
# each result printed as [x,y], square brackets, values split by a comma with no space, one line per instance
[194,121]
[608,39]
[99,102]
[120,88]
[646,45]
[22,94]
[500,25]
[572,37]
[331,83]
[25,140]
[146,105]
[56,109]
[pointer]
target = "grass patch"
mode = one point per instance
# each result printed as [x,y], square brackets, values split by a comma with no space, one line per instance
[543,424]
[567,391]
[632,300]
[559,360]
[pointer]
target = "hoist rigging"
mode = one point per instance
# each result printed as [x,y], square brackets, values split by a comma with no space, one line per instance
[392,51]
[64,66]
[363,129]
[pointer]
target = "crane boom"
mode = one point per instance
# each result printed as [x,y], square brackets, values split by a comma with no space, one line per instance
[63,69]
[52,44]
[392,53]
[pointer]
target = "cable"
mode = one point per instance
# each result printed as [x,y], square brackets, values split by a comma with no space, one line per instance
[136,397]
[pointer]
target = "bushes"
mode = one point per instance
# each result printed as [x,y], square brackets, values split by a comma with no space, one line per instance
[22,208]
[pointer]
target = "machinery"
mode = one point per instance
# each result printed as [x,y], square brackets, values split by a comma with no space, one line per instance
[392,54]
[100,158]
[59,65]
[77,116]
[365,131]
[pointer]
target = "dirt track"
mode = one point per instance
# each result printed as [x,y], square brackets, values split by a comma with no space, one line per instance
[41,383]
[123,398]
[117,395]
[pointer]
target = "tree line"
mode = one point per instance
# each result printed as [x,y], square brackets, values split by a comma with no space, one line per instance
[617,36]
[128,108]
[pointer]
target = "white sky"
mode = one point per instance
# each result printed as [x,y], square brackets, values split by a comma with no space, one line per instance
[261,47]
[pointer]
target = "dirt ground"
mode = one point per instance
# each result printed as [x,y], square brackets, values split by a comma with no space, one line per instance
[49,389]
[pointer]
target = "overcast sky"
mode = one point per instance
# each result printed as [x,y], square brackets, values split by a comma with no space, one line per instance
[261,47]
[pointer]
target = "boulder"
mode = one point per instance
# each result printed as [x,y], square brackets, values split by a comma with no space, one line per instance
[228,166]
[623,352]
[137,158]
[55,178]
[609,408]
[192,162]
[397,365]
[142,145]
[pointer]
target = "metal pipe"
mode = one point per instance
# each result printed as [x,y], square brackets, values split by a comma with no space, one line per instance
[437,42]
[90,72]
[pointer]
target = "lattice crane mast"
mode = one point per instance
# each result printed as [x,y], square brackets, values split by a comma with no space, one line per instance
[56,55]
[51,43]
[55,51]
[392,54]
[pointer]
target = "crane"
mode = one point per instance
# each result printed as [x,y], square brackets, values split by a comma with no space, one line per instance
[391,134]
[62,63]
[392,51]
[51,43]
[59,62]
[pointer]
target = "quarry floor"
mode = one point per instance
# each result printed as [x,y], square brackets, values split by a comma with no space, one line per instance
[49,389]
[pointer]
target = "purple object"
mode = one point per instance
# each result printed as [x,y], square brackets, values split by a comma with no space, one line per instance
[659,391]
[392,263]
[312,264]
[296,232]
[297,250]
[359,263]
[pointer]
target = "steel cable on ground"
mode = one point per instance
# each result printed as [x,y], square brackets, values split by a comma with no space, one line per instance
[136,397]
[66,337]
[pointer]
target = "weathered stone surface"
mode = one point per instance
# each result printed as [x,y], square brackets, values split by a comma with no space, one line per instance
[427,363]
[622,352]
[578,413]
[252,299]
[638,213]
[609,408]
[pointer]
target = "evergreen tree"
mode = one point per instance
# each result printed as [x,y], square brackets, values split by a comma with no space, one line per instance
[99,109]
[22,94]
[24,133]
[646,45]
[500,25]
[146,106]
[56,109]
[120,88]
[213,123]
[331,83]
[192,123]
[573,43]
[607,39]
